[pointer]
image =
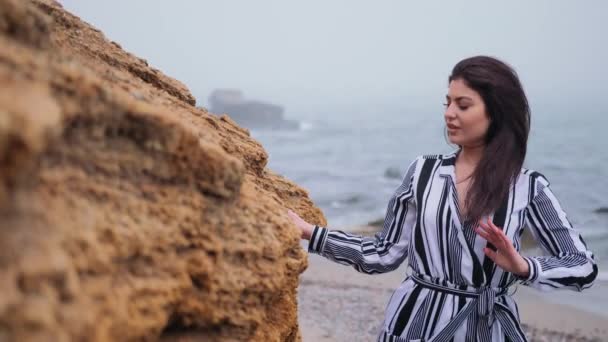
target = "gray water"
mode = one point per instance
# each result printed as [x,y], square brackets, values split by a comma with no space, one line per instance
[340,156]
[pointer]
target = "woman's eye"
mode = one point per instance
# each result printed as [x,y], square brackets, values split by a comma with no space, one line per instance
[459,107]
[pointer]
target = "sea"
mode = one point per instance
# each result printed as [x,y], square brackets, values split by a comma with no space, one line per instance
[351,159]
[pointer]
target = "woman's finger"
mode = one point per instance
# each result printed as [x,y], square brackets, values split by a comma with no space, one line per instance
[490,253]
[508,244]
[492,227]
[502,238]
[491,223]
[487,228]
[294,216]
[496,232]
[297,220]
[488,237]
[482,233]
[488,232]
[487,225]
[484,226]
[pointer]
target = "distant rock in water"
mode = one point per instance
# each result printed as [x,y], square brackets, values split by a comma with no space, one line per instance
[392,173]
[249,113]
[601,210]
[349,201]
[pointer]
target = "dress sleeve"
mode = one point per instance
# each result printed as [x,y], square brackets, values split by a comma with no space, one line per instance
[387,249]
[569,263]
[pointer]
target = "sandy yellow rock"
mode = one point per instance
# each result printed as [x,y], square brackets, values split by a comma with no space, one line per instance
[126,213]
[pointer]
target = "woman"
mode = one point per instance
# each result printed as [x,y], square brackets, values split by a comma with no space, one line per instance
[458,220]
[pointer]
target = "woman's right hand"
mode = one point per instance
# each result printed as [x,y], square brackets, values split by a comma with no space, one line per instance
[305,227]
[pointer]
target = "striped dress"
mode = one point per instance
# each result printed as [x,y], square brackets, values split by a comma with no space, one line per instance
[452,291]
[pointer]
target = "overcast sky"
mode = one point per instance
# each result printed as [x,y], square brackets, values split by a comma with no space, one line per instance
[361,52]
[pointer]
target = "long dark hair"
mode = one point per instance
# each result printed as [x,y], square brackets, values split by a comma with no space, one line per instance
[507,136]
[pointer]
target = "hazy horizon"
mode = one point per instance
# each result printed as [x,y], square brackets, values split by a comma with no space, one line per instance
[357,53]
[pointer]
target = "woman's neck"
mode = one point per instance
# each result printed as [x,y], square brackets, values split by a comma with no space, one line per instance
[470,155]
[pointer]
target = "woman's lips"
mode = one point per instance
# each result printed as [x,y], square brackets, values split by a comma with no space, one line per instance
[450,126]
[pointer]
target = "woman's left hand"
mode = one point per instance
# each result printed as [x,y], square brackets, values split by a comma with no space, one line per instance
[505,255]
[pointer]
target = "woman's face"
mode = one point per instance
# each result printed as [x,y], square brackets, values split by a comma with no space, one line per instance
[465,115]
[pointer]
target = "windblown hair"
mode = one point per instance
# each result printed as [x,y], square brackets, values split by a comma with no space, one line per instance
[507,136]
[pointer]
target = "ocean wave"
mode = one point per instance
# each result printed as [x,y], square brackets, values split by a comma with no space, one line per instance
[348,201]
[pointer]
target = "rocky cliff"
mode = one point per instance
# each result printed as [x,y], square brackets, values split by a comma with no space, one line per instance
[126,213]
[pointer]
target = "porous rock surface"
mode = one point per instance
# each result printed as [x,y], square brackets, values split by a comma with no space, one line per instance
[126,213]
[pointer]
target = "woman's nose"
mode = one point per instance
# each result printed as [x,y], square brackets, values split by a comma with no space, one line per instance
[449,112]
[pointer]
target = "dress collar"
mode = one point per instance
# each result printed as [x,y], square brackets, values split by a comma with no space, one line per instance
[446,169]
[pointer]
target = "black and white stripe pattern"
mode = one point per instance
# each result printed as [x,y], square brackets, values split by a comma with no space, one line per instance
[424,226]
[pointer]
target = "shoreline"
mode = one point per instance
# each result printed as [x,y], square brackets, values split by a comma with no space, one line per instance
[336,303]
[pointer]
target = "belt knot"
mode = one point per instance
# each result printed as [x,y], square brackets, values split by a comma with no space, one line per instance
[485,304]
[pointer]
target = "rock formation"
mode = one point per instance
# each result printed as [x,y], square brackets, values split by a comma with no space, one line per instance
[126,213]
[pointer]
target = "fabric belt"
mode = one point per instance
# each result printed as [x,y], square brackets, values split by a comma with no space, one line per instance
[484,308]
